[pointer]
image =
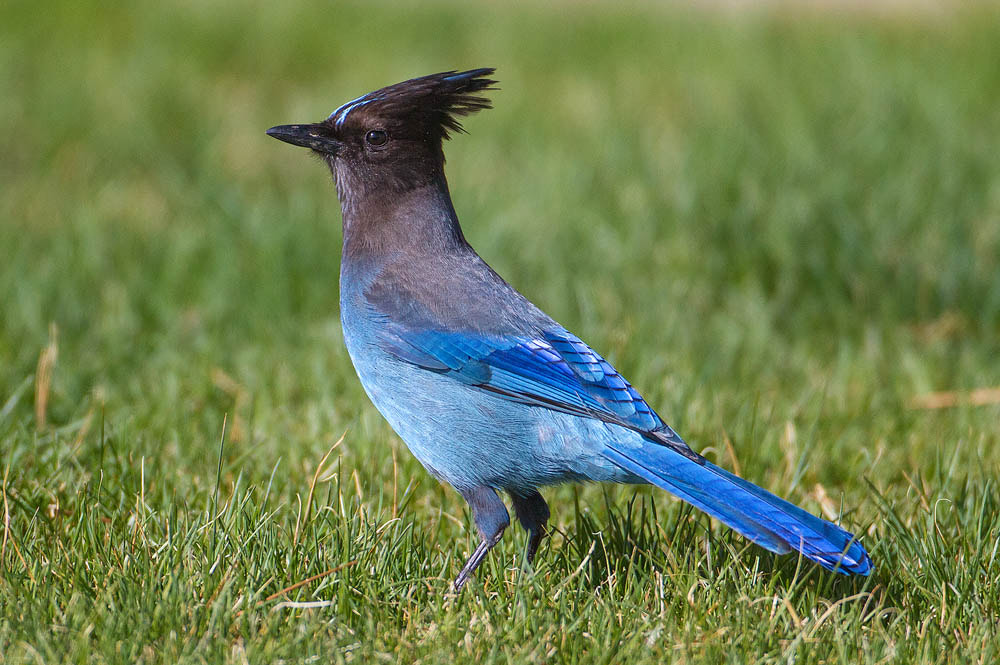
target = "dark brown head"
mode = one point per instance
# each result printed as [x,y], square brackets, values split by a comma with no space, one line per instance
[391,138]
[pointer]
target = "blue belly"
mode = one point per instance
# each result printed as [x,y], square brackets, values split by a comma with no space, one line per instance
[469,437]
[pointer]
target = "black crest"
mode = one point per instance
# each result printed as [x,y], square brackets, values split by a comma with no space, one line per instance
[434,103]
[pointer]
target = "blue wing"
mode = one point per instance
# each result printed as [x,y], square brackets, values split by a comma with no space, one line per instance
[554,370]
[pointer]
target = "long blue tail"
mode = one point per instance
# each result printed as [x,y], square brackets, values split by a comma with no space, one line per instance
[767,520]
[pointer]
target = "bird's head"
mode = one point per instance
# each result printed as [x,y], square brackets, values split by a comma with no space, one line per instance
[390,139]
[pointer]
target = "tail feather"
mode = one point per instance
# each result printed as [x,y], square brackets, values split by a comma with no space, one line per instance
[760,516]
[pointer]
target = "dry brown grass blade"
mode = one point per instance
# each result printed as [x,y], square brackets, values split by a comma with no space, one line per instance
[240,396]
[732,453]
[43,376]
[395,486]
[312,489]
[950,398]
[827,505]
[6,530]
[6,516]
[331,571]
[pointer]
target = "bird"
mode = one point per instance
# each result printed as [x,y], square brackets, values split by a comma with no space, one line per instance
[488,392]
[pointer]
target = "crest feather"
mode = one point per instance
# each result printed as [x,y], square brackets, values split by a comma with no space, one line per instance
[435,101]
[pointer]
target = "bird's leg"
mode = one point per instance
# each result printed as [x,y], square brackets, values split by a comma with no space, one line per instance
[491,520]
[533,513]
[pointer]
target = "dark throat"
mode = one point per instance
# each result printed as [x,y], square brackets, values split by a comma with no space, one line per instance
[386,219]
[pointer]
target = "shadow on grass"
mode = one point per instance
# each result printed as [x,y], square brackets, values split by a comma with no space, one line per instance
[639,541]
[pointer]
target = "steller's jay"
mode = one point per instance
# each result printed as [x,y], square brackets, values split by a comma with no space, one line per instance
[488,391]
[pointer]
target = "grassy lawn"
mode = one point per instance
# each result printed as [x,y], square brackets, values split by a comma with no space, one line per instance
[783,228]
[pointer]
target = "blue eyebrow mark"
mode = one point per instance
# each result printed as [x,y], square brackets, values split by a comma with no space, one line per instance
[340,115]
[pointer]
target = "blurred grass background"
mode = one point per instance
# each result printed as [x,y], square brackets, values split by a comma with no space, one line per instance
[782,225]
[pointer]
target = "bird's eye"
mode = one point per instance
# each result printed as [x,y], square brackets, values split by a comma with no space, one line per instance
[377,137]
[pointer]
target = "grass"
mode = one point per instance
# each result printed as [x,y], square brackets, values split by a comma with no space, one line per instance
[783,227]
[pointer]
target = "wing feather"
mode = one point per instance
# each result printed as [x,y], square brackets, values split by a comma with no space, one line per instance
[555,370]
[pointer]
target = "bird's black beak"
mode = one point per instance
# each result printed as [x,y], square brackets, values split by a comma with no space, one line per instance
[317,136]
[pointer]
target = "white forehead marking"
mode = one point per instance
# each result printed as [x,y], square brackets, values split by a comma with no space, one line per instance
[340,115]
